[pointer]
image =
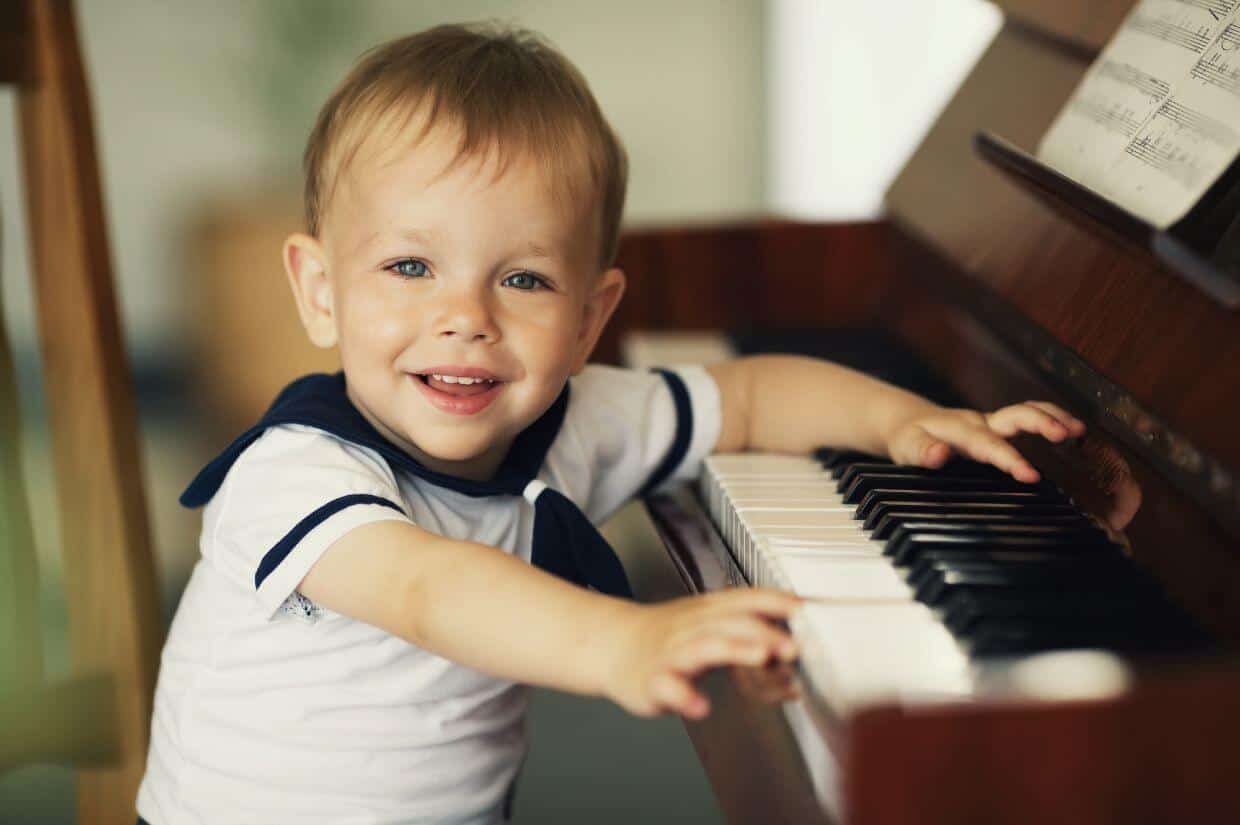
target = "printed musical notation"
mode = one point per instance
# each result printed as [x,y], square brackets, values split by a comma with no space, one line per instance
[1156,119]
[1220,66]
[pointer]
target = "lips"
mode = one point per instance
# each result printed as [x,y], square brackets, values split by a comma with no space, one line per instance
[458,390]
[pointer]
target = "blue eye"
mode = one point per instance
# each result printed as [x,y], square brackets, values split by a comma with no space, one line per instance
[524,280]
[410,268]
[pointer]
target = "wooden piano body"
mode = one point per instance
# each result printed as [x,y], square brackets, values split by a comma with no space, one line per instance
[1007,291]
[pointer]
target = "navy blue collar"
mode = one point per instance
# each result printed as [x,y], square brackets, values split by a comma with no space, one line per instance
[320,401]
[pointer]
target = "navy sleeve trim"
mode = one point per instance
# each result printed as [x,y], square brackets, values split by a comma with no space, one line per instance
[284,546]
[684,432]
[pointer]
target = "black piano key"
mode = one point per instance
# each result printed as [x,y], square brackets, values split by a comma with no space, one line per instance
[907,551]
[961,469]
[898,510]
[834,459]
[1003,639]
[887,525]
[867,482]
[931,562]
[905,532]
[1033,582]
[912,497]
[966,614]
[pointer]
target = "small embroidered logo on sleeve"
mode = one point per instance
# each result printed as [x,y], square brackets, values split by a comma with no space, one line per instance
[299,607]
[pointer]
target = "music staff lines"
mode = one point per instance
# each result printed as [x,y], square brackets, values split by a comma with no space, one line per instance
[1215,69]
[1195,41]
[1164,158]
[1130,75]
[1109,117]
[1218,8]
[1197,123]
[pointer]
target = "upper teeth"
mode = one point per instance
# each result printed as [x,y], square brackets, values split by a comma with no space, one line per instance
[459,379]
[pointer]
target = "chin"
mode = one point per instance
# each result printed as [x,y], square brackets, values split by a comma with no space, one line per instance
[454,449]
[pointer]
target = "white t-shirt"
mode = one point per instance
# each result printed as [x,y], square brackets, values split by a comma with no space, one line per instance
[270,709]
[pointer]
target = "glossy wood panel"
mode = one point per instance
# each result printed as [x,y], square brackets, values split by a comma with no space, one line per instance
[737,277]
[1087,23]
[1165,752]
[1136,322]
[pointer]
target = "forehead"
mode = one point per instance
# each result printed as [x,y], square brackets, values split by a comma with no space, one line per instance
[399,177]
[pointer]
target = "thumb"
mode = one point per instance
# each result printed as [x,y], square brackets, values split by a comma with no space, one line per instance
[916,446]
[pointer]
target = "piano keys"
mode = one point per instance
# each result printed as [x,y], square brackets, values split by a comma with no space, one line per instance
[960,573]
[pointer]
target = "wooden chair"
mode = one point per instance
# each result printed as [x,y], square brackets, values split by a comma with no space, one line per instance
[98,718]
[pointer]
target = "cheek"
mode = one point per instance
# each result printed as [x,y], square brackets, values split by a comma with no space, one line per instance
[550,332]
[377,321]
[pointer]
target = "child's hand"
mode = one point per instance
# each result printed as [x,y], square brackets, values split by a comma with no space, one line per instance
[929,440]
[665,647]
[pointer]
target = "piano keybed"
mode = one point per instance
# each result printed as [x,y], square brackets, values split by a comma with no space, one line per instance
[922,585]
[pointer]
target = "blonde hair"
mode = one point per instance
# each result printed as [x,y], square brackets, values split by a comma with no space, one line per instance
[505,90]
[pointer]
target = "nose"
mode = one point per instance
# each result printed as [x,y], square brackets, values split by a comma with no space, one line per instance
[466,316]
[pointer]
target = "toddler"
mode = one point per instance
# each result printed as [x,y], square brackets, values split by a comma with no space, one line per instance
[395,550]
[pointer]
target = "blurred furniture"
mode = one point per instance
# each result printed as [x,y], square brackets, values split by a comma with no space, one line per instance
[97,719]
[1008,285]
[248,341]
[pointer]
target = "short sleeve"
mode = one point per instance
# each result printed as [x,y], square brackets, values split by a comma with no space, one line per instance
[288,498]
[642,430]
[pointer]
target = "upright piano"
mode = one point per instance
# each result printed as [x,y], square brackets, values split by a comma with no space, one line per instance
[989,281]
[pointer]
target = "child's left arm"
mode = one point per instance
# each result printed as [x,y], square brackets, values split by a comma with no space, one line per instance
[792,404]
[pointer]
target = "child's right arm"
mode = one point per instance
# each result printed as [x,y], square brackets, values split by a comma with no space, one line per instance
[485,609]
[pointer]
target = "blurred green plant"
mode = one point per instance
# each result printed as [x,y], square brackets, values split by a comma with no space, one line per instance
[307,46]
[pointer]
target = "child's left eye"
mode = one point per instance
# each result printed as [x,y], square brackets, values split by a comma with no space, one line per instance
[409,268]
[524,280]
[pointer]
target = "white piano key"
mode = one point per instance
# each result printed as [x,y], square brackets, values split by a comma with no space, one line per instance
[814,576]
[724,463]
[862,654]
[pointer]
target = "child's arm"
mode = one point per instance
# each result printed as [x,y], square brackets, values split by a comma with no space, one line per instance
[483,608]
[785,403]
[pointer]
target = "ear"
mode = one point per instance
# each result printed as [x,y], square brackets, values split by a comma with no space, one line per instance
[600,304]
[306,266]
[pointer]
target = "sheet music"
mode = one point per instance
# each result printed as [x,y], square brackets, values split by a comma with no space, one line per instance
[1156,119]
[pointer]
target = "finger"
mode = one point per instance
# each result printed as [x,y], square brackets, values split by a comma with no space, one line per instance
[1027,418]
[983,445]
[755,629]
[746,627]
[677,694]
[1075,425]
[920,448]
[775,604]
[717,651]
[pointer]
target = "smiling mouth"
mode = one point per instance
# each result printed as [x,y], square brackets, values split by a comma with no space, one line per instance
[459,386]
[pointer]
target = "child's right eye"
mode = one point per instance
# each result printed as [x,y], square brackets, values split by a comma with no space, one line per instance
[409,268]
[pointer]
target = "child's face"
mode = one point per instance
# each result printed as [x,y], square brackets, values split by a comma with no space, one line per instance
[420,272]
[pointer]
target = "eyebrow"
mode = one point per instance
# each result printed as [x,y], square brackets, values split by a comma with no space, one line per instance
[419,236]
[537,251]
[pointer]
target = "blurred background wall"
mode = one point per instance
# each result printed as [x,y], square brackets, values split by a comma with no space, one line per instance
[729,109]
